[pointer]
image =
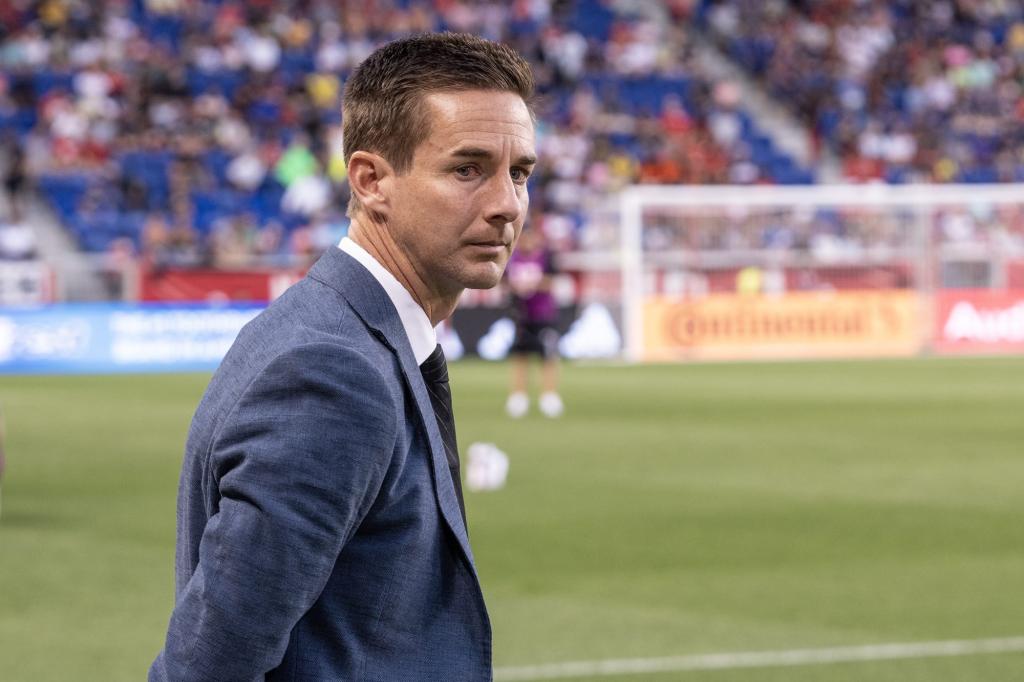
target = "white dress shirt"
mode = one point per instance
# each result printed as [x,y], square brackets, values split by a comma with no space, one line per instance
[422,336]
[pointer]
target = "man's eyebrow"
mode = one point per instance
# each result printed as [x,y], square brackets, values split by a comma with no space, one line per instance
[480,153]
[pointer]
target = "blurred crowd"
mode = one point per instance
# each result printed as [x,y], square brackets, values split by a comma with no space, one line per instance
[904,90]
[208,132]
[834,235]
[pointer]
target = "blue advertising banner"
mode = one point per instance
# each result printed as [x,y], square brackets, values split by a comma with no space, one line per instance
[102,338]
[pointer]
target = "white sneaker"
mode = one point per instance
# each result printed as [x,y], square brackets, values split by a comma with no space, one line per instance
[517,405]
[551,405]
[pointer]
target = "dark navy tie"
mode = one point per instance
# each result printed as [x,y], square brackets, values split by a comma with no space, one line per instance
[435,376]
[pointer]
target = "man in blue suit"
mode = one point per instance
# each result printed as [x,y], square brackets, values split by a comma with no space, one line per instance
[321,533]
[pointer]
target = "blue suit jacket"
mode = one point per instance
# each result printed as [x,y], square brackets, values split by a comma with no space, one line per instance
[319,534]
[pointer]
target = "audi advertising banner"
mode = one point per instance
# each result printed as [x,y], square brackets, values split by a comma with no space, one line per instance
[979,321]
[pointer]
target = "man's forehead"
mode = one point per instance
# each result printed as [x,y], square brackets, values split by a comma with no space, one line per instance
[483,117]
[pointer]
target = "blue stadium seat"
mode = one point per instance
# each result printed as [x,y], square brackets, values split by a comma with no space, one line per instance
[46,80]
[592,19]
[65,191]
[216,162]
[212,205]
[224,82]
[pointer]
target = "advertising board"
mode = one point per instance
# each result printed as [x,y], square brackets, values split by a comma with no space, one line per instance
[148,337]
[979,321]
[101,338]
[792,325]
[215,285]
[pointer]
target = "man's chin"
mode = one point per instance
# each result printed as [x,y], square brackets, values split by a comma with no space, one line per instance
[486,277]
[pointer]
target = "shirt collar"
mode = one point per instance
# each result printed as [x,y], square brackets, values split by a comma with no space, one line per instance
[422,336]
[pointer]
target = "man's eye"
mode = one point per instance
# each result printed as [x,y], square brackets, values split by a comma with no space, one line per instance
[467,171]
[519,174]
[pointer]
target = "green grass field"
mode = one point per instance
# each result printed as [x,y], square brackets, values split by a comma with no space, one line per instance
[674,510]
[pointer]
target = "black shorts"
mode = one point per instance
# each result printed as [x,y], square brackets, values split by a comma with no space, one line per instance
[535,338]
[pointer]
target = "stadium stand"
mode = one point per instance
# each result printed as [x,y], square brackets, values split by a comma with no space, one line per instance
[207,132]
[904,90]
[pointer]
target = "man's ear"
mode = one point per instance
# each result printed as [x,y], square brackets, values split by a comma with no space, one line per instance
[370,177]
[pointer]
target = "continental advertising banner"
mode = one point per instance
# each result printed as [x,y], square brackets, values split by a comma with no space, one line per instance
[99,338]
[979,321]
[793,325]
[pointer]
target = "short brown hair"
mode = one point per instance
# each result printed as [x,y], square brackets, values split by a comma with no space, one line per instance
[383,110]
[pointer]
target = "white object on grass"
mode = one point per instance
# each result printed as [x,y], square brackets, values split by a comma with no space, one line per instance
[551,404]
[517,405]
[487,469]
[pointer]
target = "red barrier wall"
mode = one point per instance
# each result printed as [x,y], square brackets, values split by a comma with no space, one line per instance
[215,285]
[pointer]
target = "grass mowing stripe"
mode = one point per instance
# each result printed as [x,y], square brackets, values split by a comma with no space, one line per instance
[761,659]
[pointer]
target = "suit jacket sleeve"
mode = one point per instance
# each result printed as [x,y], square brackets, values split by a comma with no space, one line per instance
[297,464]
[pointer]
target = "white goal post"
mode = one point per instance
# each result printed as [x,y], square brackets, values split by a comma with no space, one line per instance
[913,230]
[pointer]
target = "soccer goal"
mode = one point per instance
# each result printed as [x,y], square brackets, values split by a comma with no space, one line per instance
[734,272]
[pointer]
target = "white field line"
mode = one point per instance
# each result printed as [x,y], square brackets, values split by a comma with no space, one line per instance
[760,659]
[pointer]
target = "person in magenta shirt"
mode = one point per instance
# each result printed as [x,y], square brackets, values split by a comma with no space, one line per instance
[535,311]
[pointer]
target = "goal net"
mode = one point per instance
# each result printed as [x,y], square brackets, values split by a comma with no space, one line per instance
[736,272]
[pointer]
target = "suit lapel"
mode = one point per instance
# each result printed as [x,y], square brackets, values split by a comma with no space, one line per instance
[345,275]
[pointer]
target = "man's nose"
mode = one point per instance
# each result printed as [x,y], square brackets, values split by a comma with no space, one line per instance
[503,205]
